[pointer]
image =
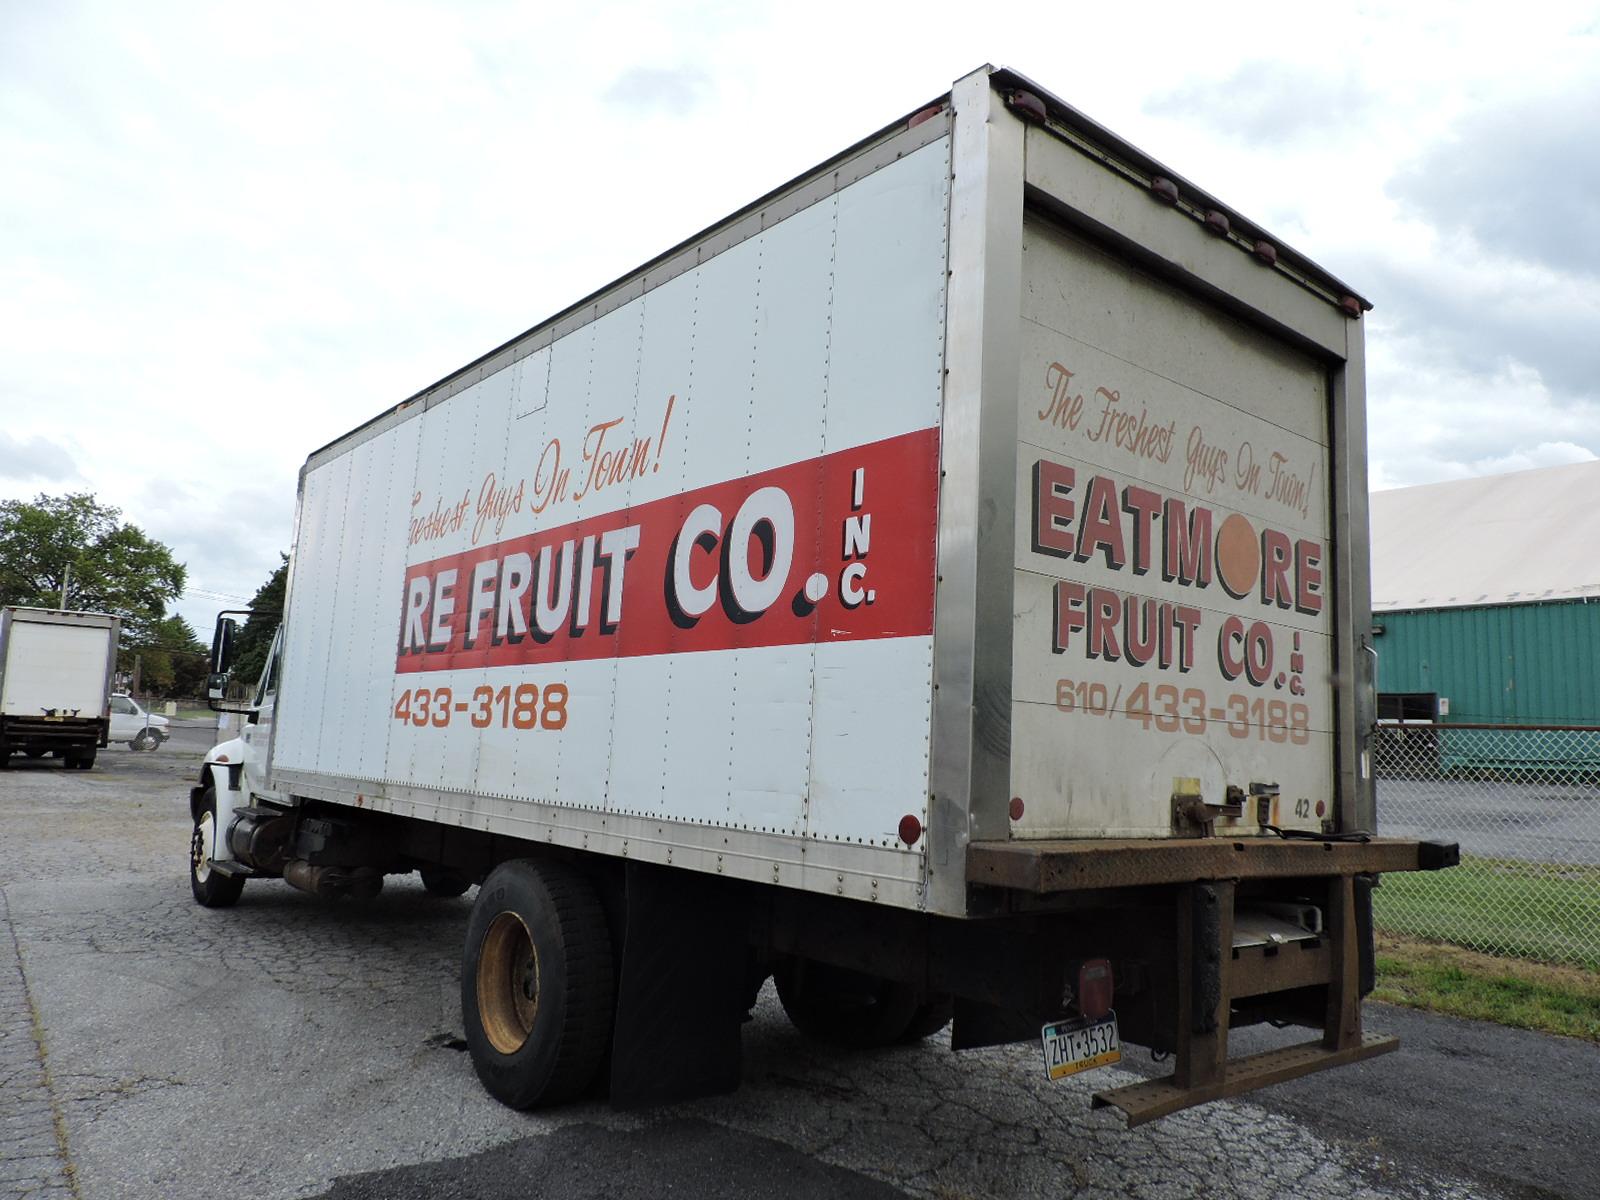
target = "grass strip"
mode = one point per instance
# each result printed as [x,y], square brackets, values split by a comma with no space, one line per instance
[1549,912]
[1462,983]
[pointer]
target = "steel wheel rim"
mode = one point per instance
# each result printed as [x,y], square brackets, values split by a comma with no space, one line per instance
[201,848]
[508,983]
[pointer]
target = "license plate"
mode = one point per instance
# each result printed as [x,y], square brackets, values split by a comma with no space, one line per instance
[1082,1045]
[54,718]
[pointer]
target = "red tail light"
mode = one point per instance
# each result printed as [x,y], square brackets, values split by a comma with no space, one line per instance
[1095,987]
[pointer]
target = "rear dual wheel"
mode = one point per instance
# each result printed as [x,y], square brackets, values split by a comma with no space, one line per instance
[851,1008]
[537,983]
[438,881]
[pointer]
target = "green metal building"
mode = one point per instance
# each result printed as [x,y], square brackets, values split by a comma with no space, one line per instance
[1486,605]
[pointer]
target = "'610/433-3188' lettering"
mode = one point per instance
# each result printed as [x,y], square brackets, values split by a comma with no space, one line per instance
[525,706]
[1171,710]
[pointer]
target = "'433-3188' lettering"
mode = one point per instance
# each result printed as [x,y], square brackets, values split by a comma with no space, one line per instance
[524,707]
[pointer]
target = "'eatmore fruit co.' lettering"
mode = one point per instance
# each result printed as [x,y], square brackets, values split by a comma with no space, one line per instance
[1125,528]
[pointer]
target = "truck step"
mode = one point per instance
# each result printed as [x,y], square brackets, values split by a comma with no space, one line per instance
[234,870]
[1154,1098]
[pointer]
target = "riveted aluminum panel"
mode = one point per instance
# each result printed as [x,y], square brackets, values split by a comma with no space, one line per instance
[310,656]
[524,647]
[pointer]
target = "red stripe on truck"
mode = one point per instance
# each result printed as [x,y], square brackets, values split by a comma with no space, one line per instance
[832,549]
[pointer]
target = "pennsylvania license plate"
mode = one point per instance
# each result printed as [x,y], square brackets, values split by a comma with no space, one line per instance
[1082,1045]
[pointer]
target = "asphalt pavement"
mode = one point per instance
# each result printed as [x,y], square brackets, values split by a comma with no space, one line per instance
[1533,822]
[295,1048]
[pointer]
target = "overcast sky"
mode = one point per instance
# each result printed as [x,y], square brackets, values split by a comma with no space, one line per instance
[229,233]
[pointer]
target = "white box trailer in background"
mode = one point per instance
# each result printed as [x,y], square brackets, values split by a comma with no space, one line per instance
[56,671]
[941,584]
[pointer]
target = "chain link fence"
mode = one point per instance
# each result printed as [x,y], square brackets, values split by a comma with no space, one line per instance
[1524,803]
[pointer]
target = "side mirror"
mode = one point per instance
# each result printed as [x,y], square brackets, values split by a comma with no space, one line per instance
[222,645]
[224,650]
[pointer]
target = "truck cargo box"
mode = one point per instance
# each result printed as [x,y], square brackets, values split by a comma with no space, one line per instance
[56,671]
[941,585]
[982,484]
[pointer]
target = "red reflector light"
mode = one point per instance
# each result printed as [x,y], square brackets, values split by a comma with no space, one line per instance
[910,829]
[1095,988]
[1016,808]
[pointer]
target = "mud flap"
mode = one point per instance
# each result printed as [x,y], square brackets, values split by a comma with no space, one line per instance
[680,998]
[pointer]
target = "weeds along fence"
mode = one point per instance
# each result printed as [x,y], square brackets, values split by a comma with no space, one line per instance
[1524,803]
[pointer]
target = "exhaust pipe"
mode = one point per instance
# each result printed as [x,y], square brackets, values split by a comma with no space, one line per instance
[334,883]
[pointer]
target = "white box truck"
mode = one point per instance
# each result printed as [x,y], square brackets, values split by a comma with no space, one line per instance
[942,586]
[56,671]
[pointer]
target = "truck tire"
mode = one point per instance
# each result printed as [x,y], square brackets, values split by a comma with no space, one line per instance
[928,1020]
[80,760]
[211,889]
[847,1008]
[437,881]
[537,983]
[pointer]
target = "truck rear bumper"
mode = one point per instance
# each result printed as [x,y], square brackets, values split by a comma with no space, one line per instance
[1156,1098]
[1047,867]
[1222,972]
[53,732]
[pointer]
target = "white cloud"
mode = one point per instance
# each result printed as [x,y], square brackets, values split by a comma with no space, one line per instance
[32,460]
[233,234]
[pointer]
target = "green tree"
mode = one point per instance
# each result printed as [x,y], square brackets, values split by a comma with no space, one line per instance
[266,613]
[114,566]
[172,660]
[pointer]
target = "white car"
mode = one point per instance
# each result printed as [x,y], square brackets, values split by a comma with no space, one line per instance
[140,729]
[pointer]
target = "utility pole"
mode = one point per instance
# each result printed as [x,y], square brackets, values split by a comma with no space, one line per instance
[66,577]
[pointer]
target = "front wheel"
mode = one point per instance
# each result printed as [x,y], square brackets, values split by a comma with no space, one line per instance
[537,983]
[145,740]
[211,888]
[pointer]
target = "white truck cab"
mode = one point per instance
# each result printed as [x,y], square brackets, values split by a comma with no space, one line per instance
[233,775]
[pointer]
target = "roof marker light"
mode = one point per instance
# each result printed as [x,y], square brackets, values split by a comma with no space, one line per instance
[1266,253]
[1164,190]
[1027,106]
[1217,223]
